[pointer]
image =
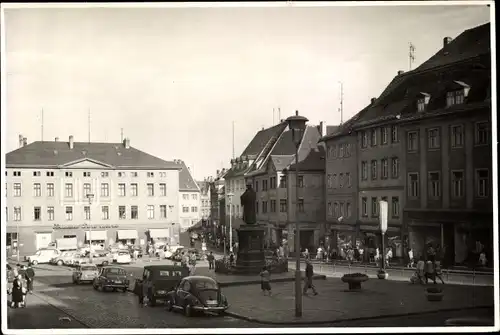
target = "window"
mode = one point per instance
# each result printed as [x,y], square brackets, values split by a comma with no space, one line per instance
[50,190]
[433,141]
[348,177]
[87,189]
[374,171]
[69,213]
[151,190]
[194,196]
[374,207]
[17,173]
[335,151]
[341,151]
[264,185]
[162,174]
[385,168]
[272,182]
[348,150]
[330,209]
[86,210]
[457,136]
[364,207]
[384,135]
[336,209]
[482,133]
[283,206]
[342,209]
[121,190]
[163,211]
[364,139]
[364,170]
[374,137]
[412,141]
[394,134]
[68,174]
[301,181]
[257,186]
[329,151]
[273,206]
[121,213]
[395,167]
[395,207]
[104,174]
[105,212]
[151,174]
[121,174]
[329,181]
[104,190]
[348,209]
[434,185]
[194,209]
[341,180]
[256,207]
[334,181]
[454,98]
[264,206]
[301,205]
[185,197]
[457,182]
[185,209]
[37,190]
[37,213]
[151,212]
[163,190]
[413,185]
[68,190]
[421,105]
[17,189]
[36,173]
[482,176]
[86,174]
[17,213]
[50,173]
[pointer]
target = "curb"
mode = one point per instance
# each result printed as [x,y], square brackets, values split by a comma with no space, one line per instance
[278,280]
[291,322]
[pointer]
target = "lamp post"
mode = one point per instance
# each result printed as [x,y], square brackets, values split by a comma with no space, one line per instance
[383,205]
[90,197]
[297,124]
[230,199]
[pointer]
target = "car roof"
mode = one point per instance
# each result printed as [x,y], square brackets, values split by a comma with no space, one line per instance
[163,267]
[112,267]
[200,278]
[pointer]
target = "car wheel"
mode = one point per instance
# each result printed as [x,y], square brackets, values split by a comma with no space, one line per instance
[169,305]
[188,311]
[34,263]
[60,262]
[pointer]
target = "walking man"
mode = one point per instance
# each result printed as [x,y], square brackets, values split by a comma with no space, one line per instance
[309,278]
[211,259]
[30,276]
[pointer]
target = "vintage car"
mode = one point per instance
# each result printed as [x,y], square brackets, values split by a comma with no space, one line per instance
[197,294]
[64,258]
[123,257]
[85,273]
[42,256]
[99,257]
[113,277]
[157,280]
[171,250]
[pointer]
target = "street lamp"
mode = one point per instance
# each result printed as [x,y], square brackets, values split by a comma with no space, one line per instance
[297,124]
[90,197]
[230,199]
[383,206]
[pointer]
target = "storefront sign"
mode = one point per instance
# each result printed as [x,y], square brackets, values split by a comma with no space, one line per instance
[84,226]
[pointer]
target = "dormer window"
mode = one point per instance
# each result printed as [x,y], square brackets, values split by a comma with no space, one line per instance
[457,95]
[421,105]
[423,101]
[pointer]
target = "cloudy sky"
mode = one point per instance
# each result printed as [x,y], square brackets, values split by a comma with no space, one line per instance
[175,79]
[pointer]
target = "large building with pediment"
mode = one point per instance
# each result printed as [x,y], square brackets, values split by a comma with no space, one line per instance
[135,195]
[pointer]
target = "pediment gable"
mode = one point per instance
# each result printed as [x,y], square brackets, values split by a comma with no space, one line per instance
[86,163]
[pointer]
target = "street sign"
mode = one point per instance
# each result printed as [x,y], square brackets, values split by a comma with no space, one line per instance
[383,206]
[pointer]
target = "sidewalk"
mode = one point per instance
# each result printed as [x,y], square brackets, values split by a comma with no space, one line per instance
[379,298]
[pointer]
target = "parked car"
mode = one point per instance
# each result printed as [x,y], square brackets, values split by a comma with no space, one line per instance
[197,294]
[123,257]
[43,256]
[85,273]
[157,281]
[171,250]
[113,277]
[64,258]
[99,257]
[178,254]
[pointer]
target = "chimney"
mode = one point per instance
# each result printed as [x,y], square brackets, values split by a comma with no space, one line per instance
[400,72]
[20,140]
[322,128]
[71,144]
[296,113]
[56,139]
[446,41]
[25,141]
[373,100]
[126,143]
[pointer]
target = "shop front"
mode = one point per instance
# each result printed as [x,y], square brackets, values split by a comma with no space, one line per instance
[342,236]
[159,236]
[309,237]
[96,238]
[370,239]
[127,236]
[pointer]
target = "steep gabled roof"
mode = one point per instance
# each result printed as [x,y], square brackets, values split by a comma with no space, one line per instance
[259,141]
[186,180]
[56,154]
[314,161]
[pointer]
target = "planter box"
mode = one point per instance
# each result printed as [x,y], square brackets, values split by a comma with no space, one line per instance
[354,282]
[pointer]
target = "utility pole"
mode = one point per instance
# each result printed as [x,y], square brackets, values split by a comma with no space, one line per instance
[341,108]
[411,54]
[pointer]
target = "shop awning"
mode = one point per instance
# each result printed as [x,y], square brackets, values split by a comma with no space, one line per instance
[159,233]
[127,234]
[96,235]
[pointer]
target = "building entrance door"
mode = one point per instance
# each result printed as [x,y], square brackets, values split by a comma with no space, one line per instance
[43,240]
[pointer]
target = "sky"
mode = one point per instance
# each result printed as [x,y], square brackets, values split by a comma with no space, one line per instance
[175,79]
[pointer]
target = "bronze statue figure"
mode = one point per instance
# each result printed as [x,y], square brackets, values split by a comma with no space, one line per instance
[248,202]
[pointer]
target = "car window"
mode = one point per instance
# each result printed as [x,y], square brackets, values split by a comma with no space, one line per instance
[123,253]
[89,268]
[205,285]
[170,273]
[116,271]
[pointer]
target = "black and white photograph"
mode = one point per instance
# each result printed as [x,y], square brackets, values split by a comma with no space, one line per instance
[249,167]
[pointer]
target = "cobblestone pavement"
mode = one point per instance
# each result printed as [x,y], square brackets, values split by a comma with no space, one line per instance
[335,302]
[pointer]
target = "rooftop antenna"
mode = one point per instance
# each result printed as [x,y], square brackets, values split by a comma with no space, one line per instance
[233,139]
[42,125]
[121,134]
[89,124]
[341,108]
[411,54]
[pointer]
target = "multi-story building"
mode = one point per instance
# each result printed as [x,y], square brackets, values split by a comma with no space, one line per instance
[205,193]
[274,183]
[135,195]
[216,193]
[189,198]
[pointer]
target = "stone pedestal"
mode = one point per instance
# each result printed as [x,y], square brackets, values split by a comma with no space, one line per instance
[250,259]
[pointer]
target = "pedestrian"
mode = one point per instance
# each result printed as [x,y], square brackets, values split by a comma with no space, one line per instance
[192,263]
[211,259]
[429,272]
[421,270]
[411,261]
[388,256]
[231,259]
[18,293]
[30,277]
[482,258]
[361,253]
[309,278]
[438,272]
[136,254]
[265,282]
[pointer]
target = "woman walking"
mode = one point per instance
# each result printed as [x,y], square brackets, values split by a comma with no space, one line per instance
[18,292]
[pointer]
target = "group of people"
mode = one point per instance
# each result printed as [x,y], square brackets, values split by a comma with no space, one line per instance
[22,284]
[188,260]
[265,275]
[430,269]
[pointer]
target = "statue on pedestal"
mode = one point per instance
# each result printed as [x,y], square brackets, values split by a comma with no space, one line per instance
[248,202]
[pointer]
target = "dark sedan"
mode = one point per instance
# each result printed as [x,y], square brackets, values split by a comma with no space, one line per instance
[113,277]
[197,294]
